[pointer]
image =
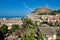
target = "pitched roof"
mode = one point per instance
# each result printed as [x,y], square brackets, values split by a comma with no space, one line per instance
[48,30]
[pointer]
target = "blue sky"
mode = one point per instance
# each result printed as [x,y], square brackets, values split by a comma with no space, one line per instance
[23,7]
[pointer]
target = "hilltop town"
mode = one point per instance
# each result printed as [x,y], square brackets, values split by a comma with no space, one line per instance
[40,24]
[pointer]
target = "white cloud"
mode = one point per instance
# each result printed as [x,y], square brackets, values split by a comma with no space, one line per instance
[27,7]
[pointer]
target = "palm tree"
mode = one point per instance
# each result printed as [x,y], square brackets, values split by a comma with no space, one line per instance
[28,23]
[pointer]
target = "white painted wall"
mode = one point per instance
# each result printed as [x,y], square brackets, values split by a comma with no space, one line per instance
[49,38]
[52,37]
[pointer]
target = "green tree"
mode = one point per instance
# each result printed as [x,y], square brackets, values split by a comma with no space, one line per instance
[52,13]
[58,34]
[28,37]
[41,36]
[22,38]
[58,24]
[4,29]
[15,27]
[9,32]
[58,10]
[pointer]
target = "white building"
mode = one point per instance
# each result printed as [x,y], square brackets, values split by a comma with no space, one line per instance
[50,32]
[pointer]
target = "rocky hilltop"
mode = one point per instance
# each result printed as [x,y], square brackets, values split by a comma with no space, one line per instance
[42,10]
[45,11]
